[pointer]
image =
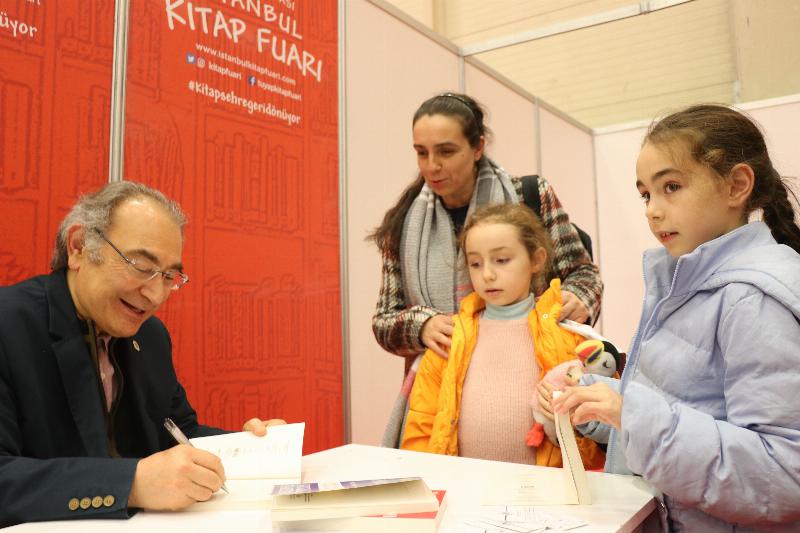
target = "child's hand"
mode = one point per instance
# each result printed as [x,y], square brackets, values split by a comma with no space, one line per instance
[544,397]
[436,333]
[572,308]
[595,402]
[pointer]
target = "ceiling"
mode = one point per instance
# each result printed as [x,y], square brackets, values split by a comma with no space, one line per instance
[607,62]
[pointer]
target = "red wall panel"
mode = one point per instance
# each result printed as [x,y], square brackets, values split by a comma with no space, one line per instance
[55,84]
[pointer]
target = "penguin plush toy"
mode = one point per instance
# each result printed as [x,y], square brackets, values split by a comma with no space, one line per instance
[598,357]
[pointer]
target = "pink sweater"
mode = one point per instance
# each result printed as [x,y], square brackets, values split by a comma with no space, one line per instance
[495,409]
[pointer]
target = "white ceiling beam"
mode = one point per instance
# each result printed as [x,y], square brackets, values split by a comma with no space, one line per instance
[633,10]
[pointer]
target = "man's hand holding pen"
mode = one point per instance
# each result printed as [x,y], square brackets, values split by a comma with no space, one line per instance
[176,478]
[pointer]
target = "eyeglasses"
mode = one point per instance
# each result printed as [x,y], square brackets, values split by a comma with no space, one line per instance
[145,271]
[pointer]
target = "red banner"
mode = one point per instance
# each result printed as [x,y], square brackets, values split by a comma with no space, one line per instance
[55,85]
[231,108]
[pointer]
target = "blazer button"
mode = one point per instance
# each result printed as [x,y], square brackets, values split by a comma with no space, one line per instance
[97,502]
[85,502]
[109,500]
[73,504]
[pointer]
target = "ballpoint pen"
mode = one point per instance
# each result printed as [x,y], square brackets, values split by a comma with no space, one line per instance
[178,435]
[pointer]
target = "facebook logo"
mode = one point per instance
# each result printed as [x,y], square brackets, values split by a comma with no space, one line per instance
[251,79]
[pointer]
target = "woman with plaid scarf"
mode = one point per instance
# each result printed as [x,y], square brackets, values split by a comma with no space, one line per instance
[421,282]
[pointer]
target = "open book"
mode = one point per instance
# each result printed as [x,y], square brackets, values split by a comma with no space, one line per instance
[548,486]
[313,501]
[253,465]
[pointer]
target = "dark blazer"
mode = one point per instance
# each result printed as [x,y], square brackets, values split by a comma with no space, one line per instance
[55,461]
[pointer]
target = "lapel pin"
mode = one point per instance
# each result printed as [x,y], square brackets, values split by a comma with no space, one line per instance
[136,346]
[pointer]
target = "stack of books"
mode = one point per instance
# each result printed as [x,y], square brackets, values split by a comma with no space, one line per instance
[386,505]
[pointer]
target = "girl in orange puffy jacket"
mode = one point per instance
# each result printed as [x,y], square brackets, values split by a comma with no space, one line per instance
[477,402]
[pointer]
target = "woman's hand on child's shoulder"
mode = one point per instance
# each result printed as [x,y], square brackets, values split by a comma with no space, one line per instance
[436,334]
[572,308]
[594,402]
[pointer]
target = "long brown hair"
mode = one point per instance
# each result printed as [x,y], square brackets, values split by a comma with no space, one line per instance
[530,230]
[720,138]
[470,115]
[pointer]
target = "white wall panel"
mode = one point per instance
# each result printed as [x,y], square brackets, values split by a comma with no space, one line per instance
[512,119]
[568,164]
[624,234]
[381,97]
[780,121]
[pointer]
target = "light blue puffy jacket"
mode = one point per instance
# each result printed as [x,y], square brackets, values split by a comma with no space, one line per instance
[711,390]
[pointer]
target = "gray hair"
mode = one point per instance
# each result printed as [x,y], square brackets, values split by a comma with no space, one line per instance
[94,211]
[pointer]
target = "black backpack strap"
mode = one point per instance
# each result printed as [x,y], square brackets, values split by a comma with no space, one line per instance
[530,193]
[586,240]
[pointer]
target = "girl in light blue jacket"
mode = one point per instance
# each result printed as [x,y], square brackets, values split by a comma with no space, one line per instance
[708,407]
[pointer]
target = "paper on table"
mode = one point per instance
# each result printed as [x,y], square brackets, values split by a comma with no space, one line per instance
[276,456]
[548,486]
[517,519]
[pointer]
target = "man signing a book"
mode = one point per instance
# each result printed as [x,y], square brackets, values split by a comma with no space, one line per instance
[86,374]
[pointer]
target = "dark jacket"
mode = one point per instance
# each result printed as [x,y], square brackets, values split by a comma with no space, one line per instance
[55,455]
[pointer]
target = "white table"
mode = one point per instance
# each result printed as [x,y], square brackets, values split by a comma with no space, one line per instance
[619,503]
